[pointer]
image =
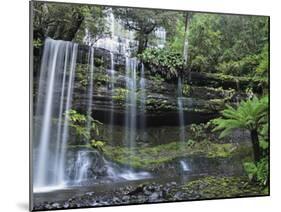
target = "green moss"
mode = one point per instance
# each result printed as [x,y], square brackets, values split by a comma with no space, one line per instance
[219,187]
[216,104]
[150,157]
[158,104]
[101,78]
[157,81]
[81,74]
[186,90]
[120,94]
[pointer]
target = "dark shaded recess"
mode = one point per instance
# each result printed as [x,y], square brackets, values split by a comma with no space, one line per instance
[153,119]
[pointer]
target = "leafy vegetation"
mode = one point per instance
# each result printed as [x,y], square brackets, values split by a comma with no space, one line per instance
[83,127]
[144,22]
[68,21]
[99,145]
[258,171]
[229,51]
[250,115]
[228,44]
[163,61]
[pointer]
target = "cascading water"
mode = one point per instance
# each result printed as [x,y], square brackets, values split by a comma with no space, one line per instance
[56,75]
[130,118]
[82,165]
[90,88]
[160,34]
[112,81]
[181,111]
[52,168]
[184,166]
[143,103]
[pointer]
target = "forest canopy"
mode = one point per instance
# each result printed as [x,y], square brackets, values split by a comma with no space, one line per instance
[234,45]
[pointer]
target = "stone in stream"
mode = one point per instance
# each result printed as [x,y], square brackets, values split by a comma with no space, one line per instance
[125,198]
[154,197]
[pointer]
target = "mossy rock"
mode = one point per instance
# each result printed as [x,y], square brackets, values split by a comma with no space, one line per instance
[221,187]
[151,157]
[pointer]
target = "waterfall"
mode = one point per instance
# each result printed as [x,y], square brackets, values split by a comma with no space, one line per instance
[56,74]
[61,168]
[185,50]
[82,164]
[90,89]
[112,81]
[54,162]
[160,34]
[130,118]
[181,111]
[184,166]
[143,103]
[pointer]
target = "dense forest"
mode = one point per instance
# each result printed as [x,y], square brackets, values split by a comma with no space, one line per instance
[174,103]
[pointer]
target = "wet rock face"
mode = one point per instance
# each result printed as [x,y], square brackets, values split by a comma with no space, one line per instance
[203,95]
[77,168]
[161,100]
[101,57]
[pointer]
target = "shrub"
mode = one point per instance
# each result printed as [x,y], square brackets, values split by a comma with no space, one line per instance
[258,171]
[165,62]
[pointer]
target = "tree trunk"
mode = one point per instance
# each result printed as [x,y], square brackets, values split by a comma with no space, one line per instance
[256,147]
[142,43]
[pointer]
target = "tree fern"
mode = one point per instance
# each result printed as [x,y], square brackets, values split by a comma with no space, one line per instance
[250,115]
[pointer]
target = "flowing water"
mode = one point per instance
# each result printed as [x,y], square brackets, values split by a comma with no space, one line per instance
[55,85]
[181,111]
[54,99]
[90,88]
[143,104]
[160,34]
[55,164]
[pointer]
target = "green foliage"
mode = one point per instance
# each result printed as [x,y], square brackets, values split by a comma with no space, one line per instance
[99,145]
[190,143]
[264,137]
[78,123]
[204,42]
[95,23]
[162,61]
[37,43]
[200,132]
[221,187]
[81,74]
[250,114]
[68,21]
[144,22]
[75,117]
[258,172]
[245,66]
[229,44]
[186,90]
[263,67]
[177,41]
[120,94]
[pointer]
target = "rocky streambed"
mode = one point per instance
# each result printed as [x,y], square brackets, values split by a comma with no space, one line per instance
[150,191]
